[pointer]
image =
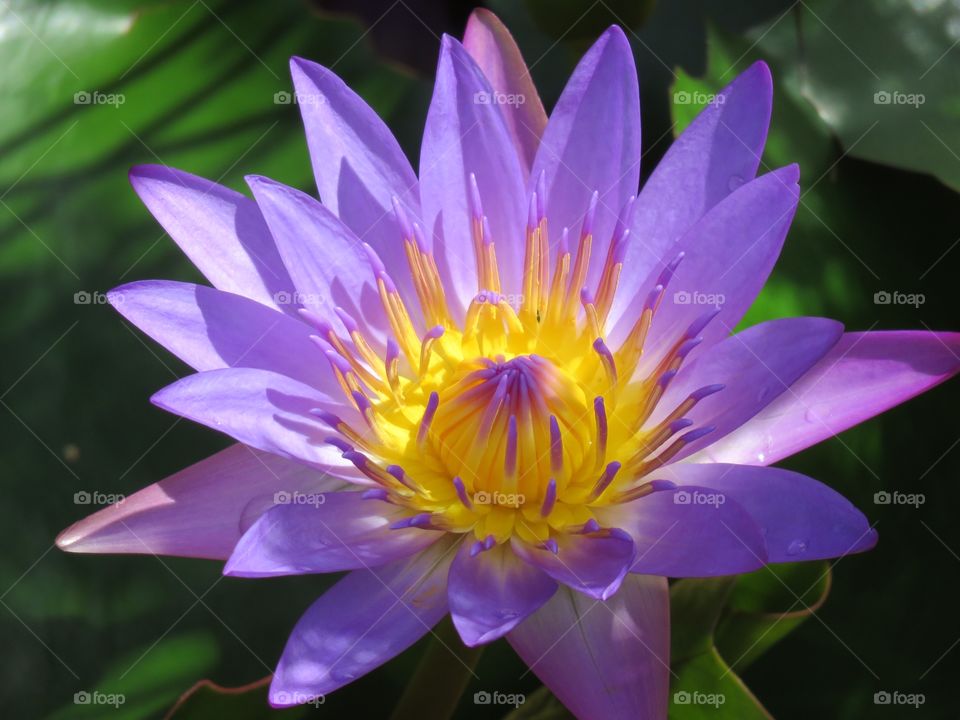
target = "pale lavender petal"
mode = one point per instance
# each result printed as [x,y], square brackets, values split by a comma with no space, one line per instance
[200,511]
[220,230]
[209,329]
[592,143]
[690,532]
[594,563]
[326,260]
[603,660]
[262,409]
[492,591]
[717,153]
[801,519]
[728,256]
[361,622]
[357,162]
[325,532]
[862,376]
[490,43]
[754,366]
[464,134]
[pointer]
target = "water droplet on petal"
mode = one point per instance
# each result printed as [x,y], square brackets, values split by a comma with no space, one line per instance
[797,547]
[735,182]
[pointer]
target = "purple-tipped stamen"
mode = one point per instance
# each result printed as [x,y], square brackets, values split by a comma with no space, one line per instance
[462,493]
[549,498]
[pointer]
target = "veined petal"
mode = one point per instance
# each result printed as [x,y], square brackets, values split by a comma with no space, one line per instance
[728,256]
[220,230]
[367,618]
[465,133]
[717,153]
[800,518]
[491,592]
[209,329]
[594,563]
[592,143]
[863,375]
[690,532]
[328,532]
[326,260]
[607,659]
[263,409]
[200,511]
[755,366]
[357,162]
[492,46]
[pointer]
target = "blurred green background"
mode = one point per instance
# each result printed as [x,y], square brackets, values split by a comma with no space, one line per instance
[867,101]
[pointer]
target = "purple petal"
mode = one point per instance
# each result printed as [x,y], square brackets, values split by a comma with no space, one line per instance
[361,622]
[209,329]
[755,366]
[603,660]
[728,256]
[491,592]
[357,162]
[689,532]
[200,511]
[801,519]
[465,133]
[719,151]
[325,532]
[220,230]
[863,375]
[592,143]
[594,564]
[326,260]
[262,409]
[492,46]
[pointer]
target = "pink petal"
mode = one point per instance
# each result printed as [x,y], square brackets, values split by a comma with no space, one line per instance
[490,43]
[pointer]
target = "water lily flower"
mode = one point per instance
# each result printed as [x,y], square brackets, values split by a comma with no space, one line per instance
[507,388]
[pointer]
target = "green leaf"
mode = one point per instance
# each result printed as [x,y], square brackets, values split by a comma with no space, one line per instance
[885,76]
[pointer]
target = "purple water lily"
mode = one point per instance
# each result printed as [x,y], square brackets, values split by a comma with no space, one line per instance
[506,389]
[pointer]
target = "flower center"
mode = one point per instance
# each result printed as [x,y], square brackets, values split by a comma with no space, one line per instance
[518,419]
